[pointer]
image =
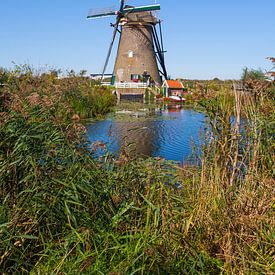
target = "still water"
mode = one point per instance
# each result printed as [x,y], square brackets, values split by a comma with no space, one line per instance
[169,132]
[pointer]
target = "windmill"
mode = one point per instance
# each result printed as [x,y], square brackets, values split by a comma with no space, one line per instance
[140,54]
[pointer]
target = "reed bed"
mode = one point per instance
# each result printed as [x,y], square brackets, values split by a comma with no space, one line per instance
[62,212]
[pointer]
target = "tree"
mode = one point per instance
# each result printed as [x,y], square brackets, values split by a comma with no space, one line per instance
[253,74]
[272,70]
[82,73]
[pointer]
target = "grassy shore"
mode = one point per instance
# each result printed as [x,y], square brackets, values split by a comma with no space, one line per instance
[62,212]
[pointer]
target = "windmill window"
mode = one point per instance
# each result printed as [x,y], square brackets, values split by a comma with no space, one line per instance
[135,77]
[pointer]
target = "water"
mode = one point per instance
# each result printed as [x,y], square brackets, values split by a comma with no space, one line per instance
[170,133]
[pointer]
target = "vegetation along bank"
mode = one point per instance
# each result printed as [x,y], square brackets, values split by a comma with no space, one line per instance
[61,211]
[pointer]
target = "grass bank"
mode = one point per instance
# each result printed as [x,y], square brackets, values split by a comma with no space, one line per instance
[63,212]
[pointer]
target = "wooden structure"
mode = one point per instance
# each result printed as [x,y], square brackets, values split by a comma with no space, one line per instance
[172,88]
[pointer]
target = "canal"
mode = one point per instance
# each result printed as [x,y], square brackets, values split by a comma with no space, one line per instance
[170,132]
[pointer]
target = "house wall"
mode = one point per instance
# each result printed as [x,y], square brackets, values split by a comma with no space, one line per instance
[175,92]
[165,91]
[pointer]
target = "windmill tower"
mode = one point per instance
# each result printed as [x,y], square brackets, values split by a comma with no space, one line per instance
[140,54]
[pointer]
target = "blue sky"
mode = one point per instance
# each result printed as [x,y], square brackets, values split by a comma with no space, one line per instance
[204,38]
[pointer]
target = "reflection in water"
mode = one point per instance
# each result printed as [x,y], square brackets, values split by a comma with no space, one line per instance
[136,138]
[169,134]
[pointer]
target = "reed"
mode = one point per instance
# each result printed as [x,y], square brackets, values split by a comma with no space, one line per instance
[63,212]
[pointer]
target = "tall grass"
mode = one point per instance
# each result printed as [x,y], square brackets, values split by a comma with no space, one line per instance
[70,96]
[63,212]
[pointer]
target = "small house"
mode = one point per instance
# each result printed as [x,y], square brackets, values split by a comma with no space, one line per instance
[172,88]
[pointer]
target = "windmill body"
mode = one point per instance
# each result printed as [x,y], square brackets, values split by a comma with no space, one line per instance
[136,58]
[140,54]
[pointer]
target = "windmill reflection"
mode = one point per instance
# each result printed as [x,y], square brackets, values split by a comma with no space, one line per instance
[165,131]
[138,137]
[135,138]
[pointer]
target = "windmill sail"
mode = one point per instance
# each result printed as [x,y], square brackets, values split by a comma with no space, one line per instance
[99,13]
[110,48]
[142,8]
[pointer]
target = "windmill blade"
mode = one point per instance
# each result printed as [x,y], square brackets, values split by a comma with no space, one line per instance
[142,8]
[121,5]
[110,48]
[99,13]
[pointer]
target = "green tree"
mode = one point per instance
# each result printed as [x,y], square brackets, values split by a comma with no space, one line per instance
[253,74]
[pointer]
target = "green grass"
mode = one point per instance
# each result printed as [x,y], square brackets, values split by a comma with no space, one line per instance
[62,212]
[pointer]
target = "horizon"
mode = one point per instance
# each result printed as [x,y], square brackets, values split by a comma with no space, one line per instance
[211,40]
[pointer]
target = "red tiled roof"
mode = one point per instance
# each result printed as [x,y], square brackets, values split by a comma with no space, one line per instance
[174,84]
